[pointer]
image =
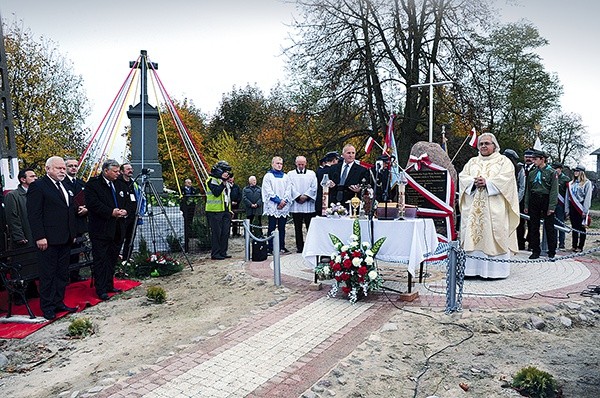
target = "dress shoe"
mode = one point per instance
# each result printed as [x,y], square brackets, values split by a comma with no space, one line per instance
[227,256]
[115,290]
[63,307]
[49,315]
[103,296]
[78,278]
[217,258]
[534,256]
[284,251]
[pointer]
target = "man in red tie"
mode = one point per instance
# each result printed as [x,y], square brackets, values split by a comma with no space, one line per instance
[51,214]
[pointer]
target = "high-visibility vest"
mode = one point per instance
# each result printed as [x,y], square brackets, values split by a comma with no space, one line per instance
[214,203]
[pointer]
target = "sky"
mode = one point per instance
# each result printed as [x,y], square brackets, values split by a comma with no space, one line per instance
[204,48]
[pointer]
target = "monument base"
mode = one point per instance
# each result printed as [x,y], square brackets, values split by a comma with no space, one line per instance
[408,296]
[315,286]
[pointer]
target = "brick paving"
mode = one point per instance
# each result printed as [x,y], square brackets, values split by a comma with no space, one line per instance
[282,351]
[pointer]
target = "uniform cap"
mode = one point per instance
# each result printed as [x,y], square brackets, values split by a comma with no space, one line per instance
[579,168]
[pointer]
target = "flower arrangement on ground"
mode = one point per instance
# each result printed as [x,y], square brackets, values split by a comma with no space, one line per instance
[145,264]
[336,210]
[352,266]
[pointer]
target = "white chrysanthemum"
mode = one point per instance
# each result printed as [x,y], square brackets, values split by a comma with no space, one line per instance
[326,270]
[334,255]
[373,275]
[369,253]
[344,248]
[369,260]
[338,259]
[356,261]
[366,245]
[353,237]
[338,246]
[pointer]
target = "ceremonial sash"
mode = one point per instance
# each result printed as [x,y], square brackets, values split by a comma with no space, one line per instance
[578,206]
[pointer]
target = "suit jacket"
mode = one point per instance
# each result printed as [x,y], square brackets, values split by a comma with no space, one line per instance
[76,186]
[15,205]
[356,175]
[49,215]
[101,203]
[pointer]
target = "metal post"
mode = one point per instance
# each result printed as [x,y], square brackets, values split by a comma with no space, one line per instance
[247,238]
[451,287]
[276,257]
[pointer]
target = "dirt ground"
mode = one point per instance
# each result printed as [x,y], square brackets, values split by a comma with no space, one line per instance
[417,353]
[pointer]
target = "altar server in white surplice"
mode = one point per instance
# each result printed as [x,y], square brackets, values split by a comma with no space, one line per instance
[489,205]
[304,192]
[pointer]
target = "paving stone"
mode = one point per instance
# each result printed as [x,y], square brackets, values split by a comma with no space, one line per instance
[566,322]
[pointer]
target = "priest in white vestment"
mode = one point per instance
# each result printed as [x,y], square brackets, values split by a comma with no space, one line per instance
[489,206]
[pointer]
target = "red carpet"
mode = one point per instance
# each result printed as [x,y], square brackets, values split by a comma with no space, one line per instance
[78,294]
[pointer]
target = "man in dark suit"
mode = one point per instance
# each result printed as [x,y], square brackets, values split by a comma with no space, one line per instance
[347,177]
[51,214]
[74,186]
[106,199]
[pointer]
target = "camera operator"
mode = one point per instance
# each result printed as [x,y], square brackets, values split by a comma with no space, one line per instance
[218,209]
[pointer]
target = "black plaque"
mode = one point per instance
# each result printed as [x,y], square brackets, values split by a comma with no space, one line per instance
[436,182]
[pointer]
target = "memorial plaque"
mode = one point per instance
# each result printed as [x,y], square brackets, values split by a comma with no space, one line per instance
[436,182]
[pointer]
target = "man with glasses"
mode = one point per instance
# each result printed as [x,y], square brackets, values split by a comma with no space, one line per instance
[489,205]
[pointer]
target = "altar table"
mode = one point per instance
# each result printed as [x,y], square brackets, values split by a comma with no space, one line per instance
[406,240]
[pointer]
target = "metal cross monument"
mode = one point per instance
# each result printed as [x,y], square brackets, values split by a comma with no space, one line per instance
[430,85]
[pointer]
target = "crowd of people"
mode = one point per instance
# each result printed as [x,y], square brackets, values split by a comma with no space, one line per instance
[52,213]
[495,188]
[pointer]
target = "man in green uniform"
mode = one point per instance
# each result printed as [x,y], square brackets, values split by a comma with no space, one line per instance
[541,196]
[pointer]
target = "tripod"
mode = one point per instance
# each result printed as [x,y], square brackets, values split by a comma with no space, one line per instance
[148,190]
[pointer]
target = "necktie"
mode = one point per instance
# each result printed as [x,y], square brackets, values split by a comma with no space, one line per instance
[61,191]
[112,188]
[344,174]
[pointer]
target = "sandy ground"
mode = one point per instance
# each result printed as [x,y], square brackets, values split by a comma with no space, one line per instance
[417,353]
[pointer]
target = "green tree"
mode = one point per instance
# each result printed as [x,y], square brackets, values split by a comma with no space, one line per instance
[511,91]
[49,103]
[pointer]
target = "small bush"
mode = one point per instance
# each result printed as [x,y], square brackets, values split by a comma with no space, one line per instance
[174,243]
[80,327]
[156,294]
[535,383]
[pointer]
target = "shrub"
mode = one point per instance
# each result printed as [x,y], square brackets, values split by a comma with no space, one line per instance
[535,383]
[174,243]
[156,294]
[80,327]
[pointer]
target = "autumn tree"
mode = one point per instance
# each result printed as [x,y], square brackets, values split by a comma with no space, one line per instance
[49,104]
[173,154]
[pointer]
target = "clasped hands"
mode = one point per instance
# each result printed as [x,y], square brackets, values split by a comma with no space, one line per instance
[480,182]
[119,213]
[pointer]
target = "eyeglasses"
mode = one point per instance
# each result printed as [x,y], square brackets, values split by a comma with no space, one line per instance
[485,143]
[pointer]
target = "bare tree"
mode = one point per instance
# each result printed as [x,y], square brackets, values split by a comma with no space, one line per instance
[369,53]
[565,138]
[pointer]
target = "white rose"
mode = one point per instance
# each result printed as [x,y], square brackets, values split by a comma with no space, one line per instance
[369,260]
[356,261]
[373,275]
[353,238]
[344,248]
[366,245]
[334,255]
[369,253]
[338,259]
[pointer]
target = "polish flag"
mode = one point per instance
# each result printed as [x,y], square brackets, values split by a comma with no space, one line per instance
[369,145]
[473,140]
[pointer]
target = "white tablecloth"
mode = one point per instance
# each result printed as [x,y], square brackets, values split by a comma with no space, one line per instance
[406,240]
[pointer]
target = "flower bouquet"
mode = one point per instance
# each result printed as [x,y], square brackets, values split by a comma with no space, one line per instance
[154,265]
[336,210]
[352,265]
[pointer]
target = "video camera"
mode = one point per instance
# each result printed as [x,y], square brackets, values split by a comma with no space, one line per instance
[220,168]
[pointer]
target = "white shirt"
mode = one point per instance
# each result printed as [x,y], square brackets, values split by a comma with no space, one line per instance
[303,184]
